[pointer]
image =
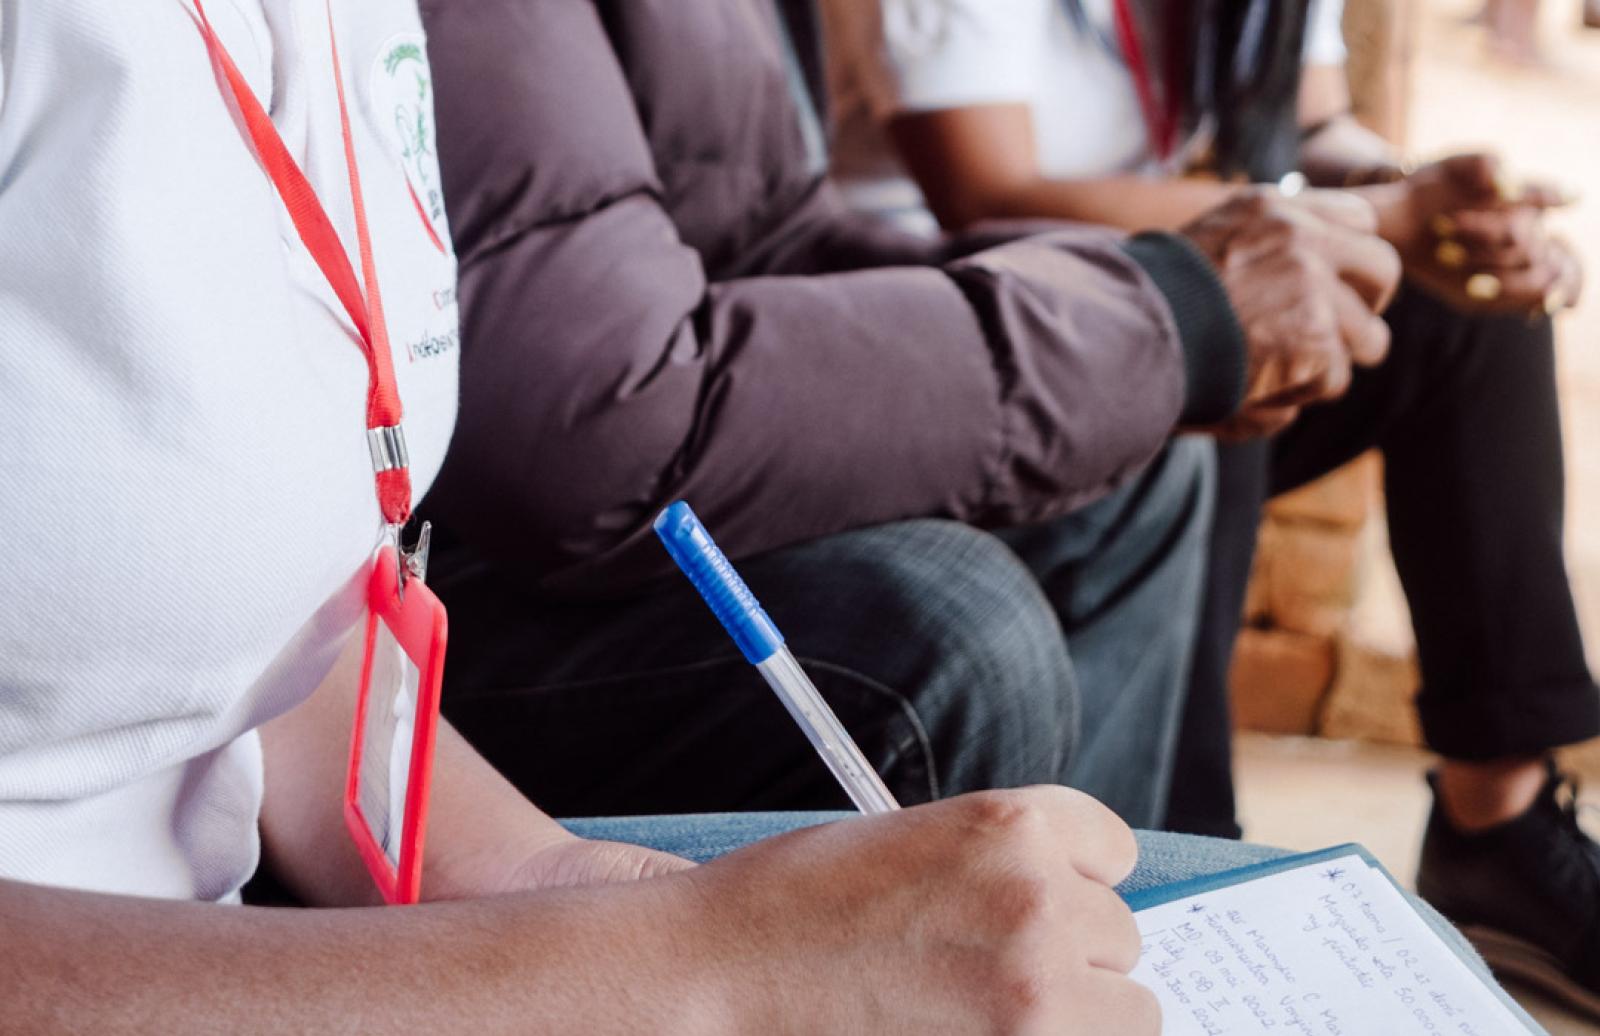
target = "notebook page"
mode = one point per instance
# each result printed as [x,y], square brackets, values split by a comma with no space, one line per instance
[1328,949]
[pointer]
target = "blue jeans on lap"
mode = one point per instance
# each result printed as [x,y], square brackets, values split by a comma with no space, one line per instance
[1163,858]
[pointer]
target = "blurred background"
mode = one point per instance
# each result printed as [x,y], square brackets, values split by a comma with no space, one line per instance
[1325,671]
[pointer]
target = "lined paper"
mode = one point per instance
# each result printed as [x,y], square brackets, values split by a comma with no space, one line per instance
[1328,949]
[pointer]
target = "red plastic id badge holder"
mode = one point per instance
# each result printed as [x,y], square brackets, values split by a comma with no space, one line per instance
[397,718]
[397,711]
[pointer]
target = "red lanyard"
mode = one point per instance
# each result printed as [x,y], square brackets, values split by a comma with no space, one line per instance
[384,436]
[1161,120]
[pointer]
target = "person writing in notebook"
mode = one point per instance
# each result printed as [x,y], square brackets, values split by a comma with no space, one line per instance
[223,263]
[1097,110]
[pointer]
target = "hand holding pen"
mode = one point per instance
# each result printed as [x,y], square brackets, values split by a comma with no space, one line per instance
[960,902]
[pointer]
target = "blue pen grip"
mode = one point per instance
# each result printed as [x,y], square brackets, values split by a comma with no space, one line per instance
[713,575]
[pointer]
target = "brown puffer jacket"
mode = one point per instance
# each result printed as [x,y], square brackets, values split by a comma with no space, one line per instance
[662,298]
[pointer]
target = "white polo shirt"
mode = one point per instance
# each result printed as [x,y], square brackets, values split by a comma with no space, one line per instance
[185,492]
[888,57]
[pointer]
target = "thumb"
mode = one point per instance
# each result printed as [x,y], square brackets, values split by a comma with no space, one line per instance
[581,862]
[654,864]
[610,863]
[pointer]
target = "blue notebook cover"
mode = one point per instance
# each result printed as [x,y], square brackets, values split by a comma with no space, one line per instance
[1452,939]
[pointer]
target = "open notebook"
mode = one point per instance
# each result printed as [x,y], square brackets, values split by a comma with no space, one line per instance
[1315,945]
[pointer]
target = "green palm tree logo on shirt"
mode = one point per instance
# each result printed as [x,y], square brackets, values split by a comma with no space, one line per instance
[409,89]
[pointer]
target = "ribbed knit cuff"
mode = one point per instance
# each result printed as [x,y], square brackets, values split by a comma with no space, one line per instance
[1214,355]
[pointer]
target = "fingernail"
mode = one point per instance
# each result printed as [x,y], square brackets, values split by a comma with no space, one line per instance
[1442,226]
[1555,300]
[1452,255]
[1485,287]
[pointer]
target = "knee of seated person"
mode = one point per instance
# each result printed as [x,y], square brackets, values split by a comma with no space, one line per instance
[1190,465]
[1180,484]
[948,618]
[978,606]
[1428,331]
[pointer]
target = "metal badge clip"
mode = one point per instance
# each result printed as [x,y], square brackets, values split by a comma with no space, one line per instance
[387,445]
[411,563]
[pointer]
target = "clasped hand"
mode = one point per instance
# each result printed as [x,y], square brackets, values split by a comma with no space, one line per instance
[1474,237]
[1307,277]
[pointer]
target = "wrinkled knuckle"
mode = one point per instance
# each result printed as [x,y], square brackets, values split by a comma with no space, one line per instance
[999,812]
[1296,236]
[1271,232]
[1019,901]
[1299,266]
[1299,254]
[1319,316]
[1023,1000]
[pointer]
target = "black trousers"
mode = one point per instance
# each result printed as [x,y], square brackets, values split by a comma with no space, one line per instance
[1465,413]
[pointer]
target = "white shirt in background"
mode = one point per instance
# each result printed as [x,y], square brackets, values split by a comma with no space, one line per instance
[185,492]
[889,57]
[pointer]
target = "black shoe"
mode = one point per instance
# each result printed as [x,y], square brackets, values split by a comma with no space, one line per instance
[1526,893]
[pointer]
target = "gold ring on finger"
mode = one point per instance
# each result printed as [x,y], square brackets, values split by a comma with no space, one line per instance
[1452,255]
[1484,287]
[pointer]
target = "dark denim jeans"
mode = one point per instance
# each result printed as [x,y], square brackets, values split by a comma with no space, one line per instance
[959,659]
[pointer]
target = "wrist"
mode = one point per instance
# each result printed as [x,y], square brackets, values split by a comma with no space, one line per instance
[652,956]
[1210,338]
[718,984]
[1399,221]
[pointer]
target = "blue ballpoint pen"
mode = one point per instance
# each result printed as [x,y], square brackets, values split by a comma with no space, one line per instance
[736,608]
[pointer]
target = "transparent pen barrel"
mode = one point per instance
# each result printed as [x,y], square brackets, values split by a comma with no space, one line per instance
[828,736]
